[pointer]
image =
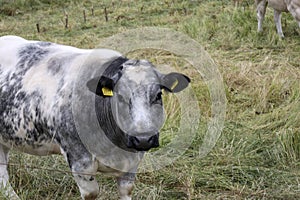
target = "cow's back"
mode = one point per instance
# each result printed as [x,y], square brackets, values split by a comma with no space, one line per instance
[36,80]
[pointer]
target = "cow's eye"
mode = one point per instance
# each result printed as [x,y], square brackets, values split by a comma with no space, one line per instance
[157,99]
[121,99]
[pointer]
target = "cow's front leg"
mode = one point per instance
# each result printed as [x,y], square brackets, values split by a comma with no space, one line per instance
[125,185]
[261,6]
[87,184]
[5,186]
[277,19]
[295,11]
[84,171]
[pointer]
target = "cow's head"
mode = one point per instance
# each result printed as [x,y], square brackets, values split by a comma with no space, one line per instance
[129,102]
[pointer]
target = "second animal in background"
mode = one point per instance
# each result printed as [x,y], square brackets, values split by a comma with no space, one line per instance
[279,6]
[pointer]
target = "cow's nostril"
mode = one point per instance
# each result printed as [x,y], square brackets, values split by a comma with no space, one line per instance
[135,141]
[151,139]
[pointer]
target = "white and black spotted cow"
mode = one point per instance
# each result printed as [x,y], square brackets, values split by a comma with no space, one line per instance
[38,82]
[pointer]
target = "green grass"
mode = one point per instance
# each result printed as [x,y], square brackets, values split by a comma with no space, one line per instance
[258,153]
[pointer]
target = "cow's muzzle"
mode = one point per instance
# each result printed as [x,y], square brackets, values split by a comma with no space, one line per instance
[143,142]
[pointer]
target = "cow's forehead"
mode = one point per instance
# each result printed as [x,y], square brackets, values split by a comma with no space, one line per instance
[140,72]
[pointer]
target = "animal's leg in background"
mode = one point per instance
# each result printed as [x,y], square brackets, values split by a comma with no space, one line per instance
[84,170]
[294,9]
[125,185]
[236,3]
[277,19]
[5,187]
[261,6]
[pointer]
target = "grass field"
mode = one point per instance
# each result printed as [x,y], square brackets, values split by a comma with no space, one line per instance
[258,153]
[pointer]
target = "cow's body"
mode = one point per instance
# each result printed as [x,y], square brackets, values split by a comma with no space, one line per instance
[36,91]
[292,6]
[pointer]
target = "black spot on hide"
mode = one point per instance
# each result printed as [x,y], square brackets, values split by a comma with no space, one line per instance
[15,103]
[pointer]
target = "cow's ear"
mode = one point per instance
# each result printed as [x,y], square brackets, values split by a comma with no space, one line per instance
[175,82]
[101,86]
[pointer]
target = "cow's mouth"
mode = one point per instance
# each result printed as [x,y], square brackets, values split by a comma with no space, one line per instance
[143,142]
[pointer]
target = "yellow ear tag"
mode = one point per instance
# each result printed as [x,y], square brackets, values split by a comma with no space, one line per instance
[174,84]
[107,92]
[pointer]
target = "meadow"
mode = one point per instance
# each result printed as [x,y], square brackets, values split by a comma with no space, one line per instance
[258,153]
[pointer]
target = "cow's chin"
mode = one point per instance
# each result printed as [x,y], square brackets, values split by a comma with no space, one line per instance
[144,149]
